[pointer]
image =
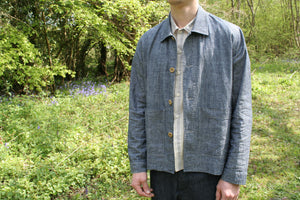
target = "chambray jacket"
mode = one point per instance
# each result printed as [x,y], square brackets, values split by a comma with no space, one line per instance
[216,100]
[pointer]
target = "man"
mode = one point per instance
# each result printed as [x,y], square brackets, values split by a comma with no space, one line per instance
[190,113]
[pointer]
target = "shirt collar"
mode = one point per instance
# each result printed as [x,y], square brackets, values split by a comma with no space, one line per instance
[200,24]
[188,28]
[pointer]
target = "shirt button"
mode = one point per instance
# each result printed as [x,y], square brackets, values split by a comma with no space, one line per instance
[170,134]
[172,69]
[170,102]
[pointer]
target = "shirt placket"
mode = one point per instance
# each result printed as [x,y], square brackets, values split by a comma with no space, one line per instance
[178,102]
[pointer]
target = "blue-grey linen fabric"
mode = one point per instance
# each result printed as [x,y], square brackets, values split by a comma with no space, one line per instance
[216,100]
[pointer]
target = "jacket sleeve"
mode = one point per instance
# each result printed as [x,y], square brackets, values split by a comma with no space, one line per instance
[137,103]
[235,170]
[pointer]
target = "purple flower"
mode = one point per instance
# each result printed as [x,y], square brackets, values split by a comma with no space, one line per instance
[6,145]
[87,88]
[38,127]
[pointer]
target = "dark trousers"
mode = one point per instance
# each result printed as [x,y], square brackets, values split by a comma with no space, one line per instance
[183,185]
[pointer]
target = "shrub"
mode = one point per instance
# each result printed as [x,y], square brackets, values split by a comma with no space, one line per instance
[21,71]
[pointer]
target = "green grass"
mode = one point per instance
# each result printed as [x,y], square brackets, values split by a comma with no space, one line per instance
[65,147]
[275,147]
[75,147]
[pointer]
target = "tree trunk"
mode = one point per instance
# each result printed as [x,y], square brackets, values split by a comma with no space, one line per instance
[296,19]
[120,71]
[80,65]
[238,9]
[47,39]
[232,9]
[253,15]
[101,67]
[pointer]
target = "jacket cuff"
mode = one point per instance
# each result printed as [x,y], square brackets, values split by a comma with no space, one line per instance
[237,178]
[138,167]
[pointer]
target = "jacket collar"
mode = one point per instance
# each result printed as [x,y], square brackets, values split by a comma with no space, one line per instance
[200,26]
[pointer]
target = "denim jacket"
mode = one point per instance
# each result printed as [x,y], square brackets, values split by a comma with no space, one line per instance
[216,100]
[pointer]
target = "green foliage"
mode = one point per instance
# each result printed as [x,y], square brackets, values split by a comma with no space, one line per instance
[21,69]
[88,37]
[73,33]
[268,25]
[119,24]
[17,58]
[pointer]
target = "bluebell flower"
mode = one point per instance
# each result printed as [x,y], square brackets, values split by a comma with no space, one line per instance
[87,88]
[54,102]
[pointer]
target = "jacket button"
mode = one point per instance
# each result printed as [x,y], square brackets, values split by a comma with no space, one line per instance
[170,134]
[170,102]
[172,69]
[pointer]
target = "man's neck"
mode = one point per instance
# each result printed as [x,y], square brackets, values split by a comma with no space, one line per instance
[184,12]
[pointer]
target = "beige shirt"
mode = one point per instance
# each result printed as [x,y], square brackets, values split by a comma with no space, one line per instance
[180,35]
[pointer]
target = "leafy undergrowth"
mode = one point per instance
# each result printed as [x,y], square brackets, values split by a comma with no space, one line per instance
[274,168]
[74,146]
[65,147]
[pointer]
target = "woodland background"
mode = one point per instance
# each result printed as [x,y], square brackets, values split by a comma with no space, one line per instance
[43,43]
